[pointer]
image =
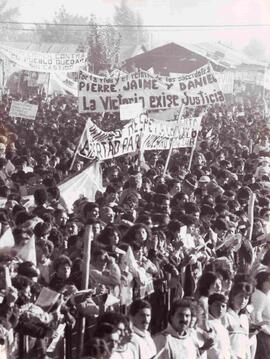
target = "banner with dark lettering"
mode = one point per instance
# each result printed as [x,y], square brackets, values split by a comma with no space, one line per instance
[198,88]
[103,94]
[43,61]
[147,132]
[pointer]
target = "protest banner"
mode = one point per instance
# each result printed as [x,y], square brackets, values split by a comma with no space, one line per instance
[103,94]
[266,79]
[23,109]
[43,61]
[64,83]
[226,81]
[130,111]
[156,136]
[198,88]
[84,184]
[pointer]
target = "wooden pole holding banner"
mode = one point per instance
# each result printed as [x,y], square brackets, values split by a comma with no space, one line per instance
[193,149]
[48,85]
[77,149]
[88,238]
[264,101]
[172,140]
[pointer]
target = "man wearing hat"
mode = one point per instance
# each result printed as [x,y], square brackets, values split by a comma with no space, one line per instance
[188,186]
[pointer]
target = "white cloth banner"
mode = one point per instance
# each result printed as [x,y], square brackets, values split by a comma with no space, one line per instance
[226,81]
[85,184]
[266,83]
[64,83]
[131,111]
[43,61]
[102,94]
[23,110]
[143,131]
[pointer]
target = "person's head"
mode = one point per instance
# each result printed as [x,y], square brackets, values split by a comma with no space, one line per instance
[263,281]
[239,295]
[107,214]
[24,220]
[90,212]
[42,230]
[109,236]
[180,315]
[109,333]
[23,284]
[44,250]
[97,348]
[221,227]
[40,196]
[120,322]
[207,214]
[217,304]
[265,214]
[189,185]
[61,217]
[72,228]
[266,259]
[208,284]
[138,233]
[62,266]
[140,314]
[174,186]
[28,269]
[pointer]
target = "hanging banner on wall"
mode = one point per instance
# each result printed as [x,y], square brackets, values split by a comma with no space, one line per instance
[43,61]
[150,133]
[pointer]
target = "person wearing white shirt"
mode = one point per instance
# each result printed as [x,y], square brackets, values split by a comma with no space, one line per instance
[260,300]
[221,349]
[140,316]
[177,340]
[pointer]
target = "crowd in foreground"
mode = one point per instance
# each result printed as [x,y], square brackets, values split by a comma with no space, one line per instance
[180,262]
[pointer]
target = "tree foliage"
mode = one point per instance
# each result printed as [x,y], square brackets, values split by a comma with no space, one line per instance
[7,14]
[103,44]
[63,33]
[255,49]
[124,17]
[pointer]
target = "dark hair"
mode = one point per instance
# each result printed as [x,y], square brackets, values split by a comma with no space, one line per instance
[180,303]
[21,282]
[266,259]
[205,282]
[112,318]
[40,196]
[106,235]
[96,347]
[54,192]
[138,305]
[217,297]
[61,260]
[262,277]
[104,328]
[42,228]
[130,236]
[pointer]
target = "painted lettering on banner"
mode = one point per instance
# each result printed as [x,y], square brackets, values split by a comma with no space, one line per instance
[23,109]
[43,61]
[154,134]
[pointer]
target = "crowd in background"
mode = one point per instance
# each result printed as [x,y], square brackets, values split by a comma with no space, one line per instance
[180,262]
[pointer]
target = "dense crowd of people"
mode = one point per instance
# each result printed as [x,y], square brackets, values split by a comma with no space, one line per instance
[180,261]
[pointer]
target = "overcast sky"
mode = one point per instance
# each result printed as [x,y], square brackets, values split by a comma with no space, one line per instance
[173,12]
